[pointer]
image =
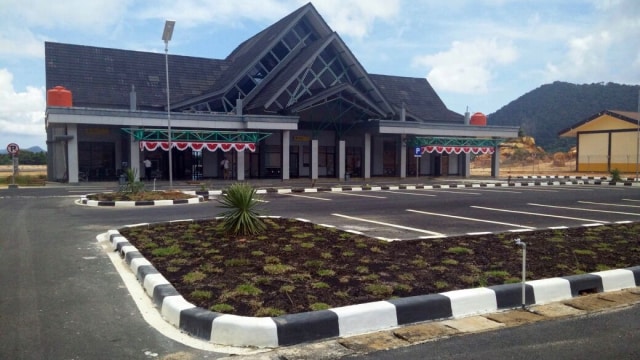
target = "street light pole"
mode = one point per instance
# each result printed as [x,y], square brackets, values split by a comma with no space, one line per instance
[638,139]
[166,37]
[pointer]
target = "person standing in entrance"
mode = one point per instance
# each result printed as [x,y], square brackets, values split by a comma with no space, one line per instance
[147,168]
[224,168]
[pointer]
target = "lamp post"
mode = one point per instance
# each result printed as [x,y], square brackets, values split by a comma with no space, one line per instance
[638,139]
[166,37]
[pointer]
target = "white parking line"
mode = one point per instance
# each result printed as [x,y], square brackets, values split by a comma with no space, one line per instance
[539,190]
[538,214]
[502,191]
[468,218]
[577,189]
[432,233]
[406,193]
[307,197]
[361,195]
[582,209]
[599,187]
[608,204]
[630,200]
[452,192]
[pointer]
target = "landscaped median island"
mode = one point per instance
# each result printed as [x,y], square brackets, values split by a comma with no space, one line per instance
[132,192]
[295,266]
[140,196]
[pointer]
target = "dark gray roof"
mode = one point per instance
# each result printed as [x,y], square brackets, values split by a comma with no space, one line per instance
[247,52]
[102,77]
[420,100]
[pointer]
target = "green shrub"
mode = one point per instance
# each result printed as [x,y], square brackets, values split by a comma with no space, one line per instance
[277,269]
[319,306]
[241,218]
[222,308]
[615,175]
[193,276]
[131,185]
[166,251]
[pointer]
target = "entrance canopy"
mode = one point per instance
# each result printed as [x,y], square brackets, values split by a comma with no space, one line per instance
[196,140]
[451,145]
[196,146]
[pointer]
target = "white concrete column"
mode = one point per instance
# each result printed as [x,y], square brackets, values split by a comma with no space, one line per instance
[342,156]
[466,164]
[134,161]
[240,165]
[286,144]
[495,162]
[403,156]
[366,165]
[72,153]
[314,159]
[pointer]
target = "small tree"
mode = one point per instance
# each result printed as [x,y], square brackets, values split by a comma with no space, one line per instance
[241,218]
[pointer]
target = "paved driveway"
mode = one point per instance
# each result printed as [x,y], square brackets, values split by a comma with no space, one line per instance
[61,298]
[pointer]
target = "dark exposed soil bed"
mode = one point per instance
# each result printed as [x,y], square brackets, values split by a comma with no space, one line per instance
[296,267]
[140,196]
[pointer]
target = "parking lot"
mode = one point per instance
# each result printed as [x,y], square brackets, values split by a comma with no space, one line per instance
[430,213]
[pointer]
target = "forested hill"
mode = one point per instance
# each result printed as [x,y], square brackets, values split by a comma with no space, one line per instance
[543,112]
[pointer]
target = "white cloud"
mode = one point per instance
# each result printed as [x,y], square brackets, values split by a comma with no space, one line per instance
[467,67]
[348,17]
[606,50]
[26,24]
[20,43]
[92,16]
[192,13]
[356,18]
[22,113]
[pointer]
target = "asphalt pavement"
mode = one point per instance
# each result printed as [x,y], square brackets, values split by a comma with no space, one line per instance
[62,299]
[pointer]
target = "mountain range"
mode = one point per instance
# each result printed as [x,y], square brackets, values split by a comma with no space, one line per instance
[543,112]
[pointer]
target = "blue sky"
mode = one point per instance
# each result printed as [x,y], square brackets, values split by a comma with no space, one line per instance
[480,54]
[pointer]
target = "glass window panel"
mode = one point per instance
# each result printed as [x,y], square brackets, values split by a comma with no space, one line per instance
[269,62]
[336,67]
[302,29]
[215,105]
[318,66]
[257,73]
[232,95]
[246,84]
[291,39]
[280,50]
[308,78]
[327,78]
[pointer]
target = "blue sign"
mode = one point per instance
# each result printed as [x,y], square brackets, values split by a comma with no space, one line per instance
[418,151]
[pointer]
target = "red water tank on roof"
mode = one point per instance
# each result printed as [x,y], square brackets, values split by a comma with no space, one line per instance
[59,96]
[478,119]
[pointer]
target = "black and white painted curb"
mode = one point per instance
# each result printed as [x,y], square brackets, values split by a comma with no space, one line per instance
[200,196]
[306,327]
[194,200]
[568,181]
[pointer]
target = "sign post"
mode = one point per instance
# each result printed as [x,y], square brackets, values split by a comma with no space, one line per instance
[417,153]
[14,150]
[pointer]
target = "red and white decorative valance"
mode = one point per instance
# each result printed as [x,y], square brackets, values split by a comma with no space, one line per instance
[197,146]
[458,149]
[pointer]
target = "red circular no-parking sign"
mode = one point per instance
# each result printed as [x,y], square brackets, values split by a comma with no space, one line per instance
[13,149]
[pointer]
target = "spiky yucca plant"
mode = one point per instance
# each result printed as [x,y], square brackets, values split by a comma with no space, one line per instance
[241,218]
[131,185]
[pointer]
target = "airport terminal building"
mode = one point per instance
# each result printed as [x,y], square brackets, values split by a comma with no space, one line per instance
[291,101]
